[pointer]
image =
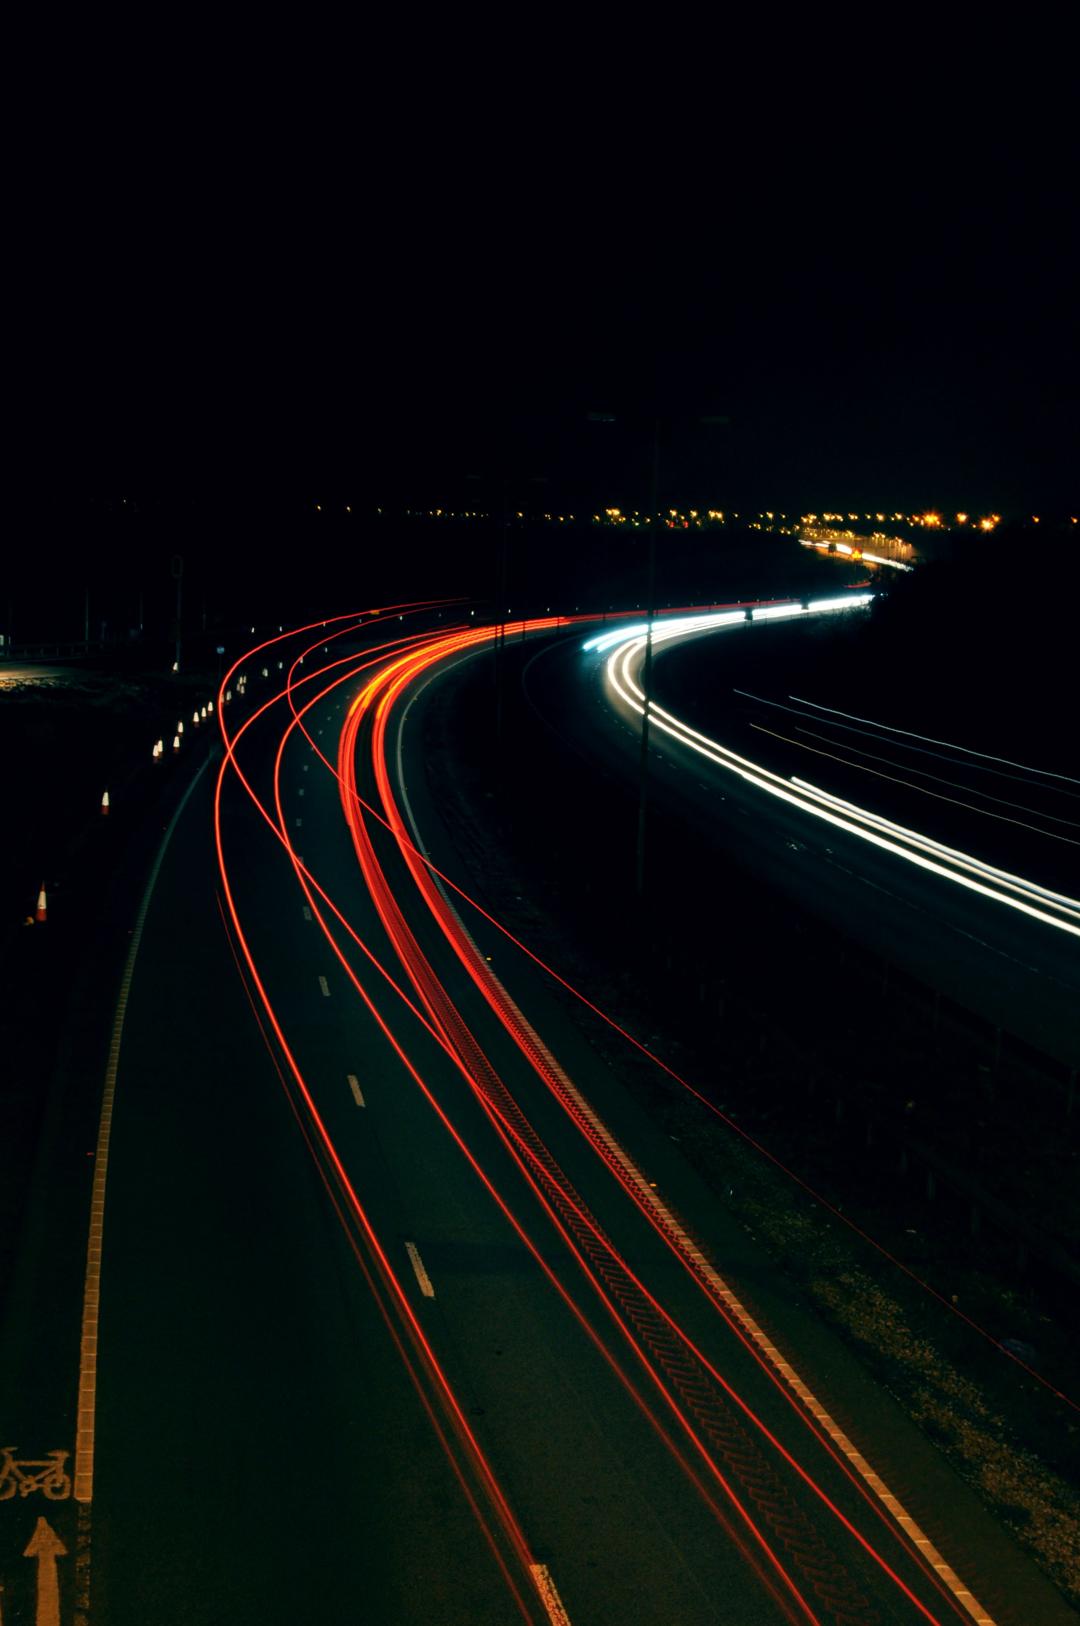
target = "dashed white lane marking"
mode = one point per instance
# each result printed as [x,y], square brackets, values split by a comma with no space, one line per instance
[325,986]
[88,1347]
[705,1268]
[300,792]
[421,1274]
[549,1597]
[307,911]
[299,822]
[722,1291]
[354,1085]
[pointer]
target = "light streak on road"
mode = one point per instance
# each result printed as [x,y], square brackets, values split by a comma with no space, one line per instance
[999,885]
[357,1213]
[780,1575]
[447,885]
[395,671]
[928,739]
[908,784]
[410,666]
[920,773]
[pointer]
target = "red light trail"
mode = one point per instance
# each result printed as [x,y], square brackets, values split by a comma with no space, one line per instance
[688,1383]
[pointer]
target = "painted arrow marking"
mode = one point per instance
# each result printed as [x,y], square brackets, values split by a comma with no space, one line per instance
[45,1545]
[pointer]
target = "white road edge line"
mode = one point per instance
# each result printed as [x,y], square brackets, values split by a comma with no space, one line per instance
[83,1475]
[549,1596]
[354,1085]
[421,1274]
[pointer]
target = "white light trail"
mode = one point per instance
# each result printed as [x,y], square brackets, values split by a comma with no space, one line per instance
[928,739]
[949,863]
[677,626]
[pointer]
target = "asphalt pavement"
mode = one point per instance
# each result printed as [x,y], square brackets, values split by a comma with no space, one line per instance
[383,1338]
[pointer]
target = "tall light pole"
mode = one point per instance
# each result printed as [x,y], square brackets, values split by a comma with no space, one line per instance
[650,607]
[500,614]
[178,576]
[646,676]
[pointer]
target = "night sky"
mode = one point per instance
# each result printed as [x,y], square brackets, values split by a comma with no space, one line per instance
[374,301]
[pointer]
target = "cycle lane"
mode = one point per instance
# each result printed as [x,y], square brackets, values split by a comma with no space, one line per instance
[251,1410]
[43,1532]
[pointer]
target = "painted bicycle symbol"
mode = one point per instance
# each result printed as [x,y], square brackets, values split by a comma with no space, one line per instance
[26,1476]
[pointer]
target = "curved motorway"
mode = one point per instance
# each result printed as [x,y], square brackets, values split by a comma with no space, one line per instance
[407,1312]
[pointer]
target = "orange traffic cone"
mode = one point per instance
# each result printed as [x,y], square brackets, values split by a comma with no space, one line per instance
[41,913]
[105,805]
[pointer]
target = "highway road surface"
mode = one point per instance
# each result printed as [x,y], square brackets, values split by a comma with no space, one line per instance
[954,866]
[397,1308]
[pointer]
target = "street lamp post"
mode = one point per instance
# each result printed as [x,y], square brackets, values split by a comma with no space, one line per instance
[646,679]
[500,617]
[650,606]
[178,575]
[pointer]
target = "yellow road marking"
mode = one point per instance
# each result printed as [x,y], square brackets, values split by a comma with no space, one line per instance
[83,1476]
[421,1274]
[354,1085]
[45,1545]
[549,1597]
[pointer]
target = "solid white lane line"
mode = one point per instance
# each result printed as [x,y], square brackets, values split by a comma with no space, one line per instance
[549,1597]
[354,1085]
[325,986]
[421,1274]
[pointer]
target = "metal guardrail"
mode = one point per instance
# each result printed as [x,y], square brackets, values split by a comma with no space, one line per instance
[25,654]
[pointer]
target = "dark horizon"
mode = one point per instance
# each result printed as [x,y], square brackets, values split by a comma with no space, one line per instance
[883,322]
